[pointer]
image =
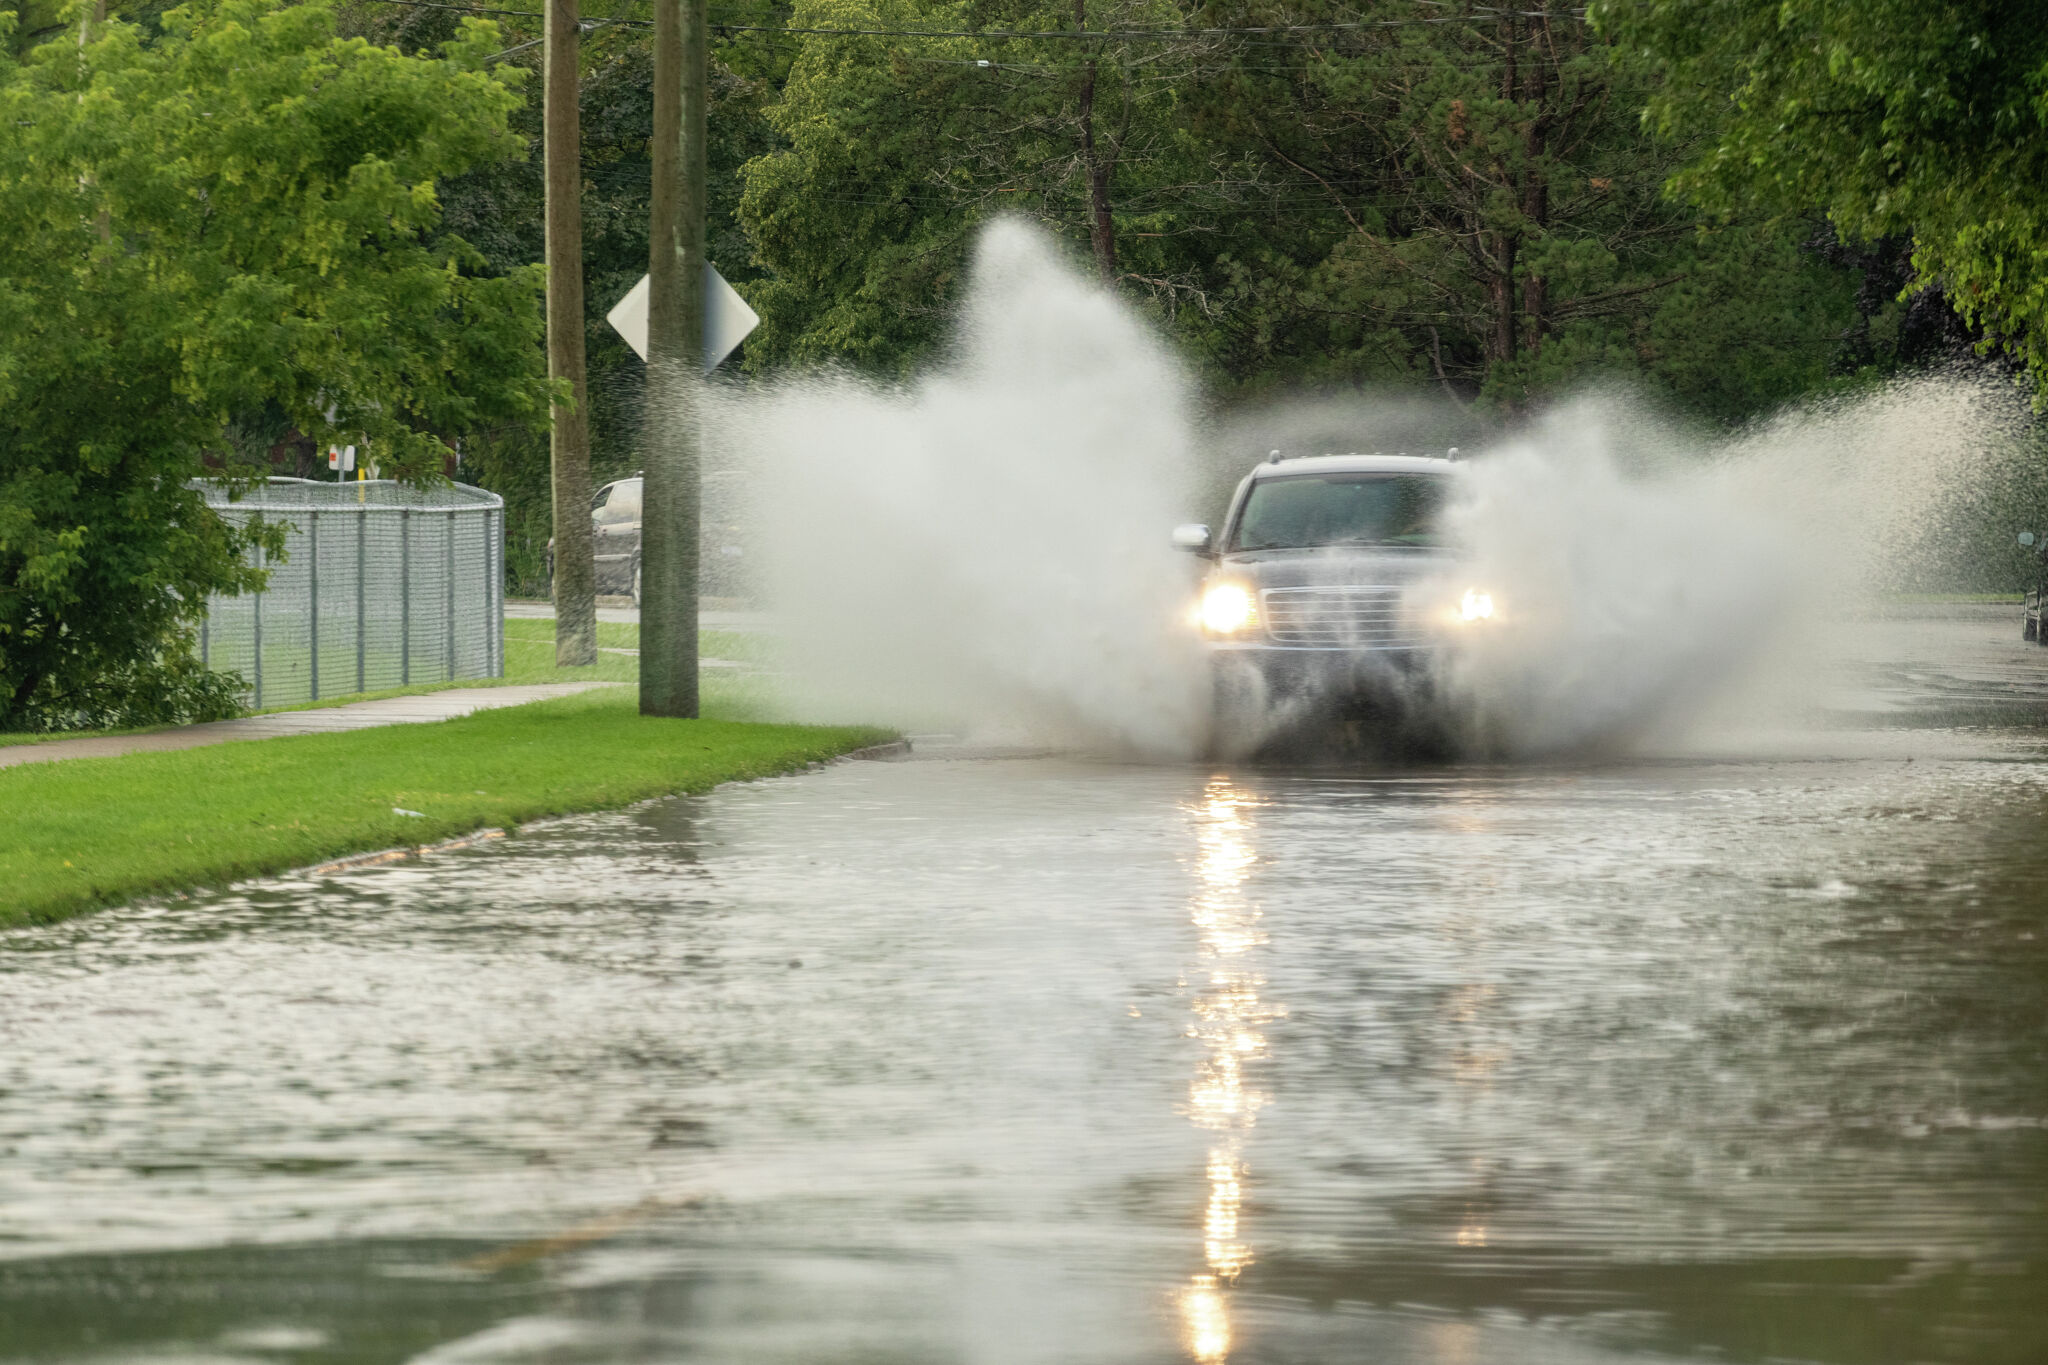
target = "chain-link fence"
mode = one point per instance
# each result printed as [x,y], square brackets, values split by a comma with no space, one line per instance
[381,586]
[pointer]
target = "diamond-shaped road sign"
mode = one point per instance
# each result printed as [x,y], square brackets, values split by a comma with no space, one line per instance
[727,319]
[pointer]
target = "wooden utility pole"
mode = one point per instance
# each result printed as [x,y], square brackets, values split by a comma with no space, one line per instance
[675,347]
[575,576]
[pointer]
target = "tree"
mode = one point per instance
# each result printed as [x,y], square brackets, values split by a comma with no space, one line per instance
[1462,200]
[238,214]
[1899,117]
[34,21]
[894,148]
[863,261]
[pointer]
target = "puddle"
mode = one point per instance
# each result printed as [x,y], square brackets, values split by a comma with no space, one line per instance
[1027,1058]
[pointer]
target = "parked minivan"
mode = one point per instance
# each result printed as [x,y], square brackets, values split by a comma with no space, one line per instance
[614,538]
[2037,596]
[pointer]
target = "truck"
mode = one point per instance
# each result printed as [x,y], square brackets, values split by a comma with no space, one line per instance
[1327,595]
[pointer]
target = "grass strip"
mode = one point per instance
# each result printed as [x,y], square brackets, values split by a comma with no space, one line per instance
[529,658]
[530,651]
[94,831]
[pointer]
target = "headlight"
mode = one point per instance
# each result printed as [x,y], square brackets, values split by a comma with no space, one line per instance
[1475,606]
[1227,608]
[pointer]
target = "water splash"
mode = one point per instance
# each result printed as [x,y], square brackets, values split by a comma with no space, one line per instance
[1653,584]
[983,549]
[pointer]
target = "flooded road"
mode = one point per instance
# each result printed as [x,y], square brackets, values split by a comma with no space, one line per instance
[1035,1059]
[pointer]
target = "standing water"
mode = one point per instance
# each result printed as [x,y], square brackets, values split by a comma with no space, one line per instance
[1705,1032]
[1044,1060]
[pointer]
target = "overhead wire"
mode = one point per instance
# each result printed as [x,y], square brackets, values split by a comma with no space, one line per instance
[587,28]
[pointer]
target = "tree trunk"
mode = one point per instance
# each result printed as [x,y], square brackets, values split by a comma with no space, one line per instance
[1500,288]
[1535,197]
[574,585]
[675,347]
[22,692]
[1101,228]
[1500,292]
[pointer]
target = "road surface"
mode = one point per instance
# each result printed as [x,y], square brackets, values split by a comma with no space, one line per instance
[1043,1059]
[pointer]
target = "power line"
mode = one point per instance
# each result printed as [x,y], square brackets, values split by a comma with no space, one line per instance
[588,27]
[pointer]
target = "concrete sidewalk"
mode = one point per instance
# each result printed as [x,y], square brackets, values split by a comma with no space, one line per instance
[361,715]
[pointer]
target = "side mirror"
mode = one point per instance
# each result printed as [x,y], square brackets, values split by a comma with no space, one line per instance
[2027,539]
[1193,537]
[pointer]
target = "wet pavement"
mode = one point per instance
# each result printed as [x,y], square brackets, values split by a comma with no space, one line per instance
[1037,1059]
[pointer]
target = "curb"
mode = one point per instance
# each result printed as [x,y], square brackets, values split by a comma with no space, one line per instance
[895,751]
[393,855]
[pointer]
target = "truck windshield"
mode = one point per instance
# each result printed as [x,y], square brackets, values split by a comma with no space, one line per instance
[1305,511]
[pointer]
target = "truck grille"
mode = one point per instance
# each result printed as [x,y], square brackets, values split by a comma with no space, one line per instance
[1339,618]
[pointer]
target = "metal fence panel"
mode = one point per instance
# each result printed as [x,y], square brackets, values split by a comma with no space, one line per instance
[380,586]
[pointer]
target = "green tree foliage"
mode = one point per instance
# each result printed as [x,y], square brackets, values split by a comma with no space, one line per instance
[1900,117]
[893,149]
[32,22]
[862,258]
[234,215]
[1490,216]
[1462,200]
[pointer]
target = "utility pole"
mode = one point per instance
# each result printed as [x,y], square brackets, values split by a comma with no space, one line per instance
[675,346]
[575,576]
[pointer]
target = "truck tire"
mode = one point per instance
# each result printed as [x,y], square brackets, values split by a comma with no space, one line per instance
[1238,715]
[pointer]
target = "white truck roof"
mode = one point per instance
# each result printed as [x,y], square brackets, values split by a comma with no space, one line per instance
[1357,464]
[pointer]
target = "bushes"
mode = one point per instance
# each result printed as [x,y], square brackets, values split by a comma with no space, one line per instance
[236,214]
[162,690]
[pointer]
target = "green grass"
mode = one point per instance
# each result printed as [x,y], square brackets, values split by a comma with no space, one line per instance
[530,658]
[1932,599]
[530,651]
[90,832]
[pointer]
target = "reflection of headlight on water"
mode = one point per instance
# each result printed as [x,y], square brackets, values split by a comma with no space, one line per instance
[1475,606]
[1207,1319]
[1227,608]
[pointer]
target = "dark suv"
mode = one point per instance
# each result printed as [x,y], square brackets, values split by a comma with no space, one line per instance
[1330,587]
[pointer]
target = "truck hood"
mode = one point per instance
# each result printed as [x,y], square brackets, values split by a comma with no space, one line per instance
[1335,567]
